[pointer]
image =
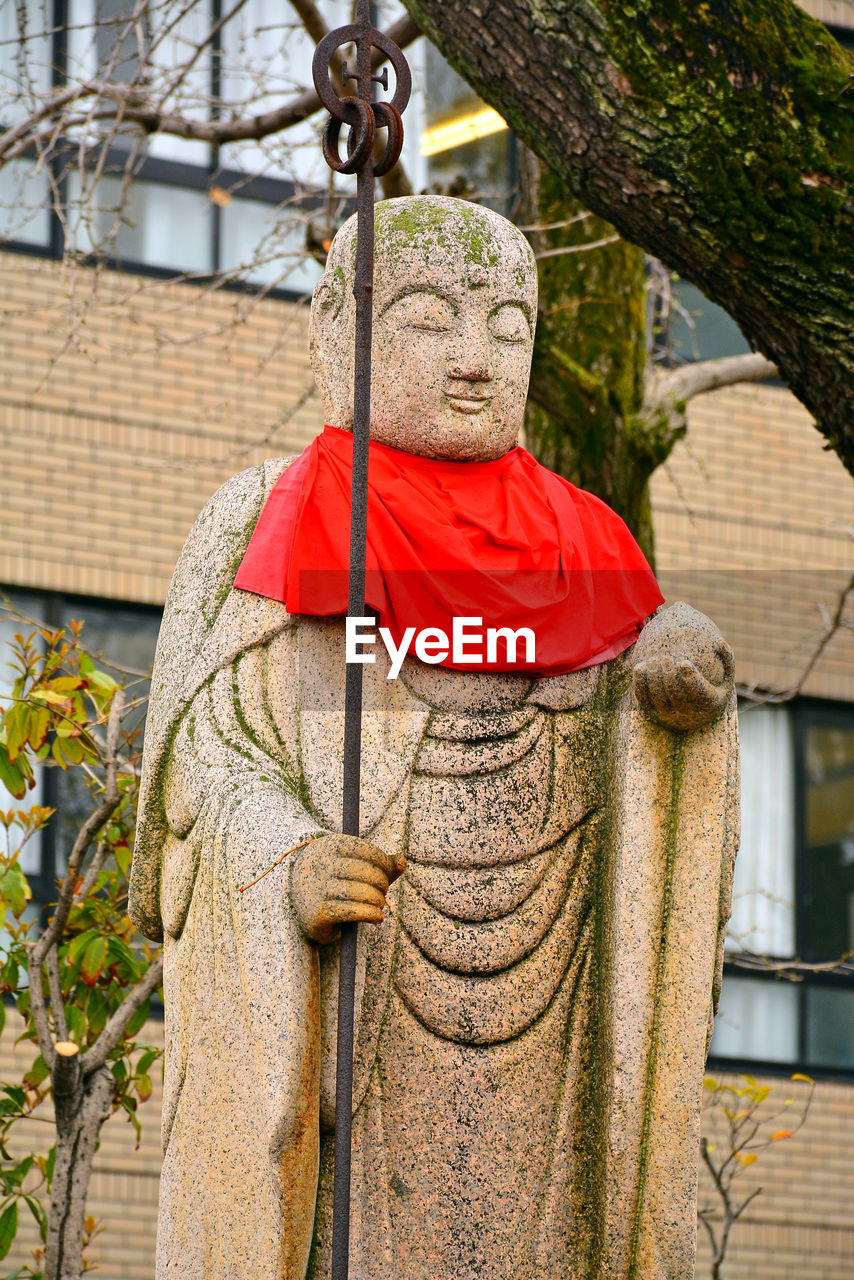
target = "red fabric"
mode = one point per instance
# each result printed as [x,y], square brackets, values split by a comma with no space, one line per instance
[507,541]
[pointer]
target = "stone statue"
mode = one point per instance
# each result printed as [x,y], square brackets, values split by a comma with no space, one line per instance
[545,870]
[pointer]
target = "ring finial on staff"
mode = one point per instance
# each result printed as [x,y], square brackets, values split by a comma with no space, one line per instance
[362,115]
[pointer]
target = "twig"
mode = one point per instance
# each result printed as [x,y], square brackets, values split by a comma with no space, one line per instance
[576,248]
[831,627]
[53,933]
[279,860]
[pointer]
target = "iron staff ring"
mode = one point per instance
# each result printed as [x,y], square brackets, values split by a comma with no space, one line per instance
[361,115]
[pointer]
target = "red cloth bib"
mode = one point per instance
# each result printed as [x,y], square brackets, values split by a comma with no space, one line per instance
[508,542]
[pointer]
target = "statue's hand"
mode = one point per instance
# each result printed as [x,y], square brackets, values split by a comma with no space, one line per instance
[683,670]
[338,878]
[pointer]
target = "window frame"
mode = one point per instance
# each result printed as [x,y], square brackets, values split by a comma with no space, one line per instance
[805,712]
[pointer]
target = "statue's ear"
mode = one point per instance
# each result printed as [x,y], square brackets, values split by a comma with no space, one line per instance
[327,301]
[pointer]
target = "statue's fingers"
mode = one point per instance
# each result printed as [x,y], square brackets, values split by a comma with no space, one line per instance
[367,852]
[700,691]
[727,657]
[362,870]
[345,911]
[355,891]
[661,678]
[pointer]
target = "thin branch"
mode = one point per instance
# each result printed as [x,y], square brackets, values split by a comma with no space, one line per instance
[155,120]
[92,873]
[557,226]
[788,968]
[52,934]
[706,375]
[831,626]
[576,248]
[57,1001]
[97,1055]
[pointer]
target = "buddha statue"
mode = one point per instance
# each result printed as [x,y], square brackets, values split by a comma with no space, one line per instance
[545,858]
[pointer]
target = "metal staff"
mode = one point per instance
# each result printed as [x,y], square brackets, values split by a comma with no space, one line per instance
[364,117]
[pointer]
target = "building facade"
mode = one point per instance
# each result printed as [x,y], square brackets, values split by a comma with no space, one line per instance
[127,397]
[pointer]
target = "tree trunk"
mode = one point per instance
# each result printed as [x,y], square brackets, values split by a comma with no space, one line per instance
[588,375]
[720,137]
[81,1106]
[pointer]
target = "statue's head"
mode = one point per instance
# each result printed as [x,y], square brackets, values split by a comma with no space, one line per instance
[455,303]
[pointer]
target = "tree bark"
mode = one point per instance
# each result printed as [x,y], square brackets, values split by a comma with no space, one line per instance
[720,137]
[588,374]
[82,1104]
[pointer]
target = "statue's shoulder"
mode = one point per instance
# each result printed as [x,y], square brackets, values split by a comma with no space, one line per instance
[213,551]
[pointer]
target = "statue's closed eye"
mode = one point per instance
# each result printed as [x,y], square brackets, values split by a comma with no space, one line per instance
[509,323]
[423,310]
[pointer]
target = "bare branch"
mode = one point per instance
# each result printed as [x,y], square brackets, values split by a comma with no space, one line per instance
[310,17]
[97,1055]
[576,248]
[154,119]
[706,375]
[790,969]
[57,1003]
[52,934]
[831,626]
[92,873]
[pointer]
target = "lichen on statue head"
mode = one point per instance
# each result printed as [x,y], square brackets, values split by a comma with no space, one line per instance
[455,303]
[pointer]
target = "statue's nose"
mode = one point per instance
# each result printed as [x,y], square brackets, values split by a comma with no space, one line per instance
[471,358]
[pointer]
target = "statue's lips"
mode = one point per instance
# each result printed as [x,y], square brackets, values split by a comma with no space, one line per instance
[467,404]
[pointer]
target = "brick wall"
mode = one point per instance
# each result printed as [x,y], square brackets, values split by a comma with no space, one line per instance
[124,403]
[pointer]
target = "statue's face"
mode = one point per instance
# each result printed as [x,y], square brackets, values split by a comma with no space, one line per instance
[454,314]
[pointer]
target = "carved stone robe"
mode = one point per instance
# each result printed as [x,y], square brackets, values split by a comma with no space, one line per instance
[532,1014]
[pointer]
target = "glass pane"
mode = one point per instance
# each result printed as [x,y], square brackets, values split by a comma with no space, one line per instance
[763,907]
[699,329]
[828,839]
[466,144]
[24,57]
[24,203]
[114,634]
[830,1027]
[265,244]
[266,61]
[143,222]
[757,1020]
[30,859]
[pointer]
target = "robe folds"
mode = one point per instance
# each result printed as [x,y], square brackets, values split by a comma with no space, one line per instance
[243,761]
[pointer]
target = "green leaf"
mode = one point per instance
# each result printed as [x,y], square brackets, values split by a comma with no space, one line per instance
[147,1059]
[123,857]
[78,944]
[14,888]
[138,1020]
[8,1227]
[38,1212]
[15,1177]
[37,1073]
[100,680]
[11,776]
[129,1105]
[51,1162]
[92,964]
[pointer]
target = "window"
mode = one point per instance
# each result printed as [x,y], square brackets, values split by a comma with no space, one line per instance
[793,892]
[164,204]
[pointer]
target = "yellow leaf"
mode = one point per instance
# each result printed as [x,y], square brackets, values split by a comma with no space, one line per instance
[782,1133]
[748,1158]
[219,196]
[806,1079]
